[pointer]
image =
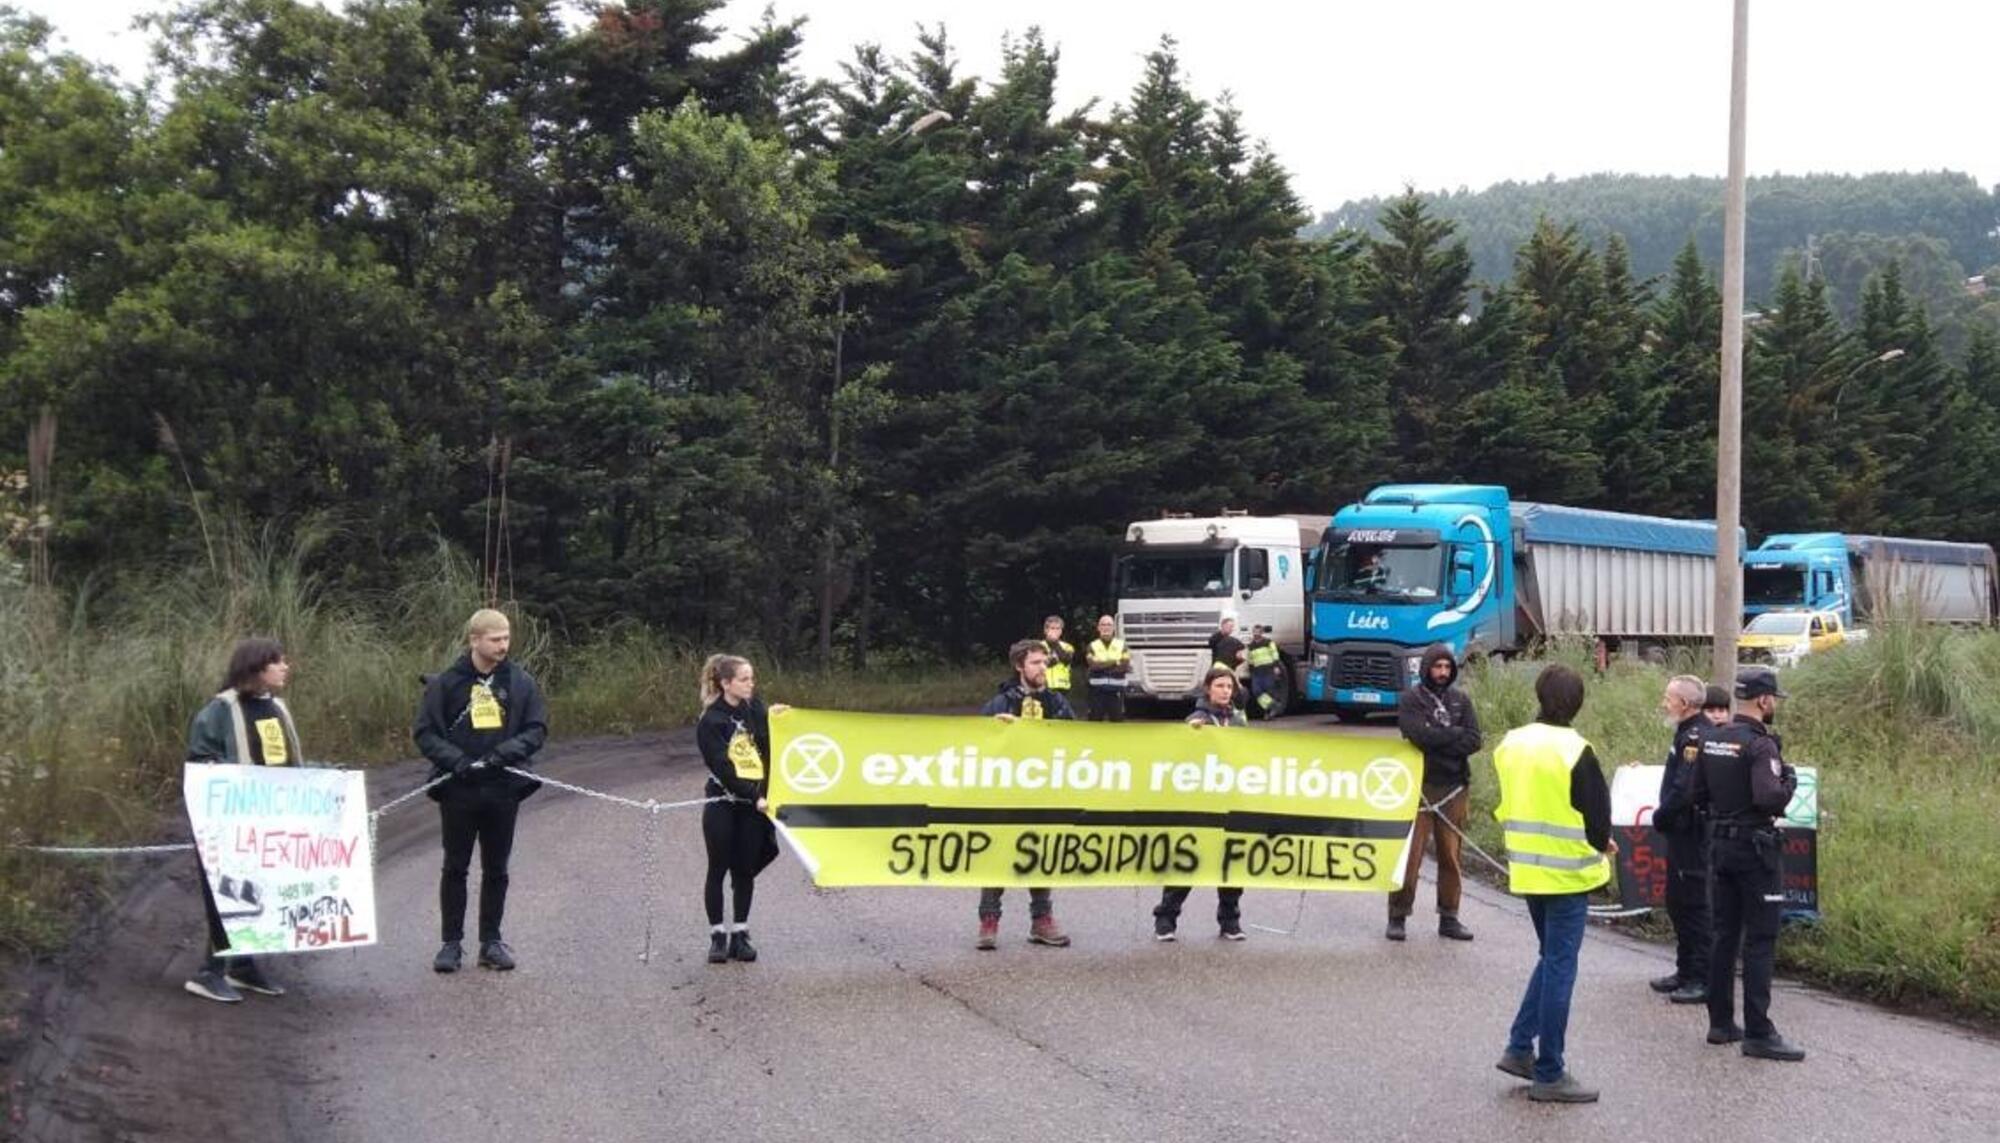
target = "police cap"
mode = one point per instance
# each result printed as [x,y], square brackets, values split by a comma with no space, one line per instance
[1756,682]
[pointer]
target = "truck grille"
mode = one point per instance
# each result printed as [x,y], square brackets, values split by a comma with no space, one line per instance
[1169,628]
[1365,670]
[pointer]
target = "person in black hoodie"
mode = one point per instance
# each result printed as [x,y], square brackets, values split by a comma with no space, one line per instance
[1437,718]
[1675,818]
[1026,695]
[734,736]
[1216,708]
[480,717]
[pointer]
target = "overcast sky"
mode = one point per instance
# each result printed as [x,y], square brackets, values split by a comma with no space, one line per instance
[1361,98]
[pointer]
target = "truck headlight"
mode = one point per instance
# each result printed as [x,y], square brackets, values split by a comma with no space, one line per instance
[1320,659]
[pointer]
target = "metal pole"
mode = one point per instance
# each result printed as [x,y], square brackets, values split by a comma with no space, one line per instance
[1729,421]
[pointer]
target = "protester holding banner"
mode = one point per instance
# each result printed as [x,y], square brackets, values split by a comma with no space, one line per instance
[1437,717]
[1555,814]
[480,718]
[1680,824]
[246,723]
[1216,708]
[1746,785]
[1025,696]
[734,736]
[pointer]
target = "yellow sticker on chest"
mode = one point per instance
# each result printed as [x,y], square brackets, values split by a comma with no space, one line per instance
[744,757]
[486,712]
[271,734]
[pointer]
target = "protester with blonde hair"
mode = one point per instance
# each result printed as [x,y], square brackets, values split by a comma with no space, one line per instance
[480,718]
[734,735]
[246,724]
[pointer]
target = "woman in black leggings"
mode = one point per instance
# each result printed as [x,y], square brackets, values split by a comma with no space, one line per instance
[734,735]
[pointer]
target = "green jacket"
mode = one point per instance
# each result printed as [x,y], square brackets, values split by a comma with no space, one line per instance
[221,734]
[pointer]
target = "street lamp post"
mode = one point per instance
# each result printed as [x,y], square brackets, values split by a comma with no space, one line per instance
[1729,421]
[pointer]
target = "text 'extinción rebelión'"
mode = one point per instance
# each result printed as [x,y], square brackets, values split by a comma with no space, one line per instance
[966,769]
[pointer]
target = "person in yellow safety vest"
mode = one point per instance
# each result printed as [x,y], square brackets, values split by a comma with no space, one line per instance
[1265,663]
[1108,662]
[1061,654]
[1555,813]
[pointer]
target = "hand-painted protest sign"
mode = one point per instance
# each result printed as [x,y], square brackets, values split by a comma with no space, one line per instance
[1642,851]
[286,853]
[899,800]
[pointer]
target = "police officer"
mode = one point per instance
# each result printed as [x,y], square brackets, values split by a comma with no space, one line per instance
[1061,654]
[1681,827]
[1743,782]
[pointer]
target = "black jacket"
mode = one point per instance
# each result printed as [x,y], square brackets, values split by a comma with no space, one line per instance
[1440,721]
[712,734]
[445,734]
[1013,696]
[1676,813]
[1743,778]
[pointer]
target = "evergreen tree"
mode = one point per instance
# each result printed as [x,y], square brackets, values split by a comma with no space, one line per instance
[1416,281]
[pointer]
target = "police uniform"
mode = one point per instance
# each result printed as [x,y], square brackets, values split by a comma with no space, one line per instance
[1680,824]
[1743,782]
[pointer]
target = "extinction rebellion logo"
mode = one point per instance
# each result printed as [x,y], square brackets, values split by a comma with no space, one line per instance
[812,763]
[1385,784]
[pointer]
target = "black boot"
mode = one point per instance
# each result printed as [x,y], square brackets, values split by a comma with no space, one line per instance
[449,957]
[740,947]
[1395,930]
[718,947]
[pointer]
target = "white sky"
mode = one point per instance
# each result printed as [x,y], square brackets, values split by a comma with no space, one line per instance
[1360,98]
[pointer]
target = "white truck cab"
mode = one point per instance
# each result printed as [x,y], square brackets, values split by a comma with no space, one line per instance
[1178,576]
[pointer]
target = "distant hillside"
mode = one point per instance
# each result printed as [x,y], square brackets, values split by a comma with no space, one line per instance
[1942,225]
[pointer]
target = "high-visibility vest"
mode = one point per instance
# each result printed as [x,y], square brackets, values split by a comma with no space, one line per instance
[1263,655]
[1103,654]
[1547,848]
[1058,669]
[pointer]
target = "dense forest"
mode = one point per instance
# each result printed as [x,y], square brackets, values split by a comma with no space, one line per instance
[662,333]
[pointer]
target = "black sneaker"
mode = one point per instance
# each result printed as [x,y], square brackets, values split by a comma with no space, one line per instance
[1689,994]
[1565,1090]
[211,984]
[718,948]
[1520,1065]
[1451,930]
[1395,930]
[1165,929]
[740,947]
[1232,931]
[496,956]
[1729,1035]
[245,973]
[1665,984]
[449,957]
[1773,1047]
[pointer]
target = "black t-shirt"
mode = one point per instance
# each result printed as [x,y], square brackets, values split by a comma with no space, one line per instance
[265,728]
[1225,649]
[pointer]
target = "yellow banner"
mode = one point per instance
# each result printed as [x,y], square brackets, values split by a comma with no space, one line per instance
[871,799]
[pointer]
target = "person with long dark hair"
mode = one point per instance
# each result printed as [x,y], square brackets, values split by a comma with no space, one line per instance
[1217,708]
[245,724]
[734,736]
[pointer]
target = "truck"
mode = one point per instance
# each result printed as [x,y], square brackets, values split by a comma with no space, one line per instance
[1177,577]
[1861,577]
[1465,565]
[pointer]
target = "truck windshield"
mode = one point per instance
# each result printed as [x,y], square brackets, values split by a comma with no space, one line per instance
[1380,574]
[1779,586]
[1777,623]
[1178,575]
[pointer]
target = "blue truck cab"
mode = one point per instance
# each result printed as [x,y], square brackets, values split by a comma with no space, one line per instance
[1808,571]
[1408,566]
[1935,581]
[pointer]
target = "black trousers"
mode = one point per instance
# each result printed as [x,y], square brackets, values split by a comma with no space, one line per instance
[1687,905]
[480,813]
[1107,704]
[740,844]
[1228,903]
[1747,892]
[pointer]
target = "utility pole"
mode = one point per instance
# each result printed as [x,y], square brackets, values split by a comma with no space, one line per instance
[1729,421]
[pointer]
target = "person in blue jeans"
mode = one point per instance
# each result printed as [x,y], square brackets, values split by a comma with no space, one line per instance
[1555,812]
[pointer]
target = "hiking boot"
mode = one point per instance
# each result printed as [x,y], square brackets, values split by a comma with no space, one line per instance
[1164,929]
[212,984]
[496,956]
[245,973]
[449,957]
[1451,930]
[1232,930]
[989,934]
[1395,930]
[1689,994]
[1729,1035]
[1665,984]
[740,947]
[1045,931]
[1564,1090]
[1520,1065]
[1773,1047]
[718,947]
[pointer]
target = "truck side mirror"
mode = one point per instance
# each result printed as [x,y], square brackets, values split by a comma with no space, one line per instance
[1254,583]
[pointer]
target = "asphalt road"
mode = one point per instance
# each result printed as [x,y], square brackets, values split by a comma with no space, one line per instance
[871,1017]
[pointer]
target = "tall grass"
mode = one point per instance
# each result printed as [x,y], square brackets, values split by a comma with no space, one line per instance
[97,688]
[1905,730]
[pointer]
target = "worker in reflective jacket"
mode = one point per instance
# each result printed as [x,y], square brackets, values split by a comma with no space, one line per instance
[1108,663]
[1555,813]
[1265,663]
[1061,654]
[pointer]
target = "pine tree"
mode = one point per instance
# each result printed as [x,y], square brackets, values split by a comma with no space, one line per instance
[1416,281]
